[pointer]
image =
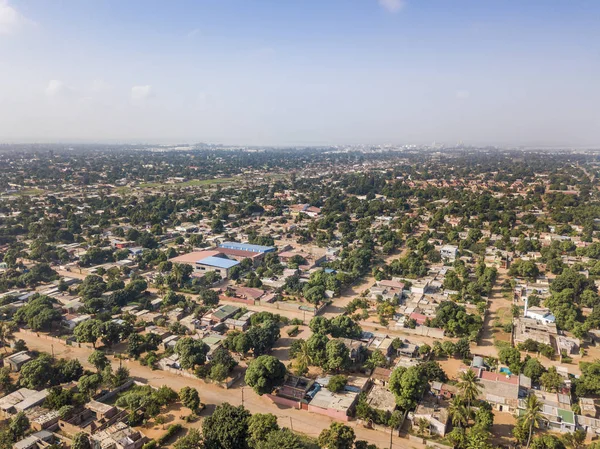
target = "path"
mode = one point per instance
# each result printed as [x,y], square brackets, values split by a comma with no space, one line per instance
[496,302]
[302,421]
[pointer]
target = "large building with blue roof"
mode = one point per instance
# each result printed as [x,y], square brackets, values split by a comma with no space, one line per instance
[215,263]
[248,247]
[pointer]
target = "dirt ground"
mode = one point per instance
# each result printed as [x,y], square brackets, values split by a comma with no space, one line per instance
[450,366]
[502,429]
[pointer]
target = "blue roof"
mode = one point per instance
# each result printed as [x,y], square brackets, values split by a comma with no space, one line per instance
[218,262]
[247,247]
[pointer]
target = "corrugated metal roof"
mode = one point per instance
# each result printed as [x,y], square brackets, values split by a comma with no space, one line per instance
[218,262]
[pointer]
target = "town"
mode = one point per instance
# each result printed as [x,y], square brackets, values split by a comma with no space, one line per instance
[335,297]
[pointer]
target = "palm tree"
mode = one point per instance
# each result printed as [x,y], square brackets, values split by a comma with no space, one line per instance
[470,386]
[533,414]
[459,413]
[303,356]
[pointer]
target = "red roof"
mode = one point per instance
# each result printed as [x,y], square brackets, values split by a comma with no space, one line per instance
[418,317]
[497,377]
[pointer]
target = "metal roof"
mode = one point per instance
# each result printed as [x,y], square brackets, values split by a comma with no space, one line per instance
[247,247]
[218,262]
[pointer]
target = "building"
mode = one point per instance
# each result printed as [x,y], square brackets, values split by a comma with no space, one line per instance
[540,314]
[16,361]
[380,398]
[21,400]
[449,252]
[500,390]
[221,265]
[37,440]
[248,247]
[118,436]
[433,410]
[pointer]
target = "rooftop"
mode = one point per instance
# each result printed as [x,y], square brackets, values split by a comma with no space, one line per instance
[218,262]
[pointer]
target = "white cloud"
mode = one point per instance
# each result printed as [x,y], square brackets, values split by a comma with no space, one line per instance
[392,5]
[57,88]
[10,19]
[141,92]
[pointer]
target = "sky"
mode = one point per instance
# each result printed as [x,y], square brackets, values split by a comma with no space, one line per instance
[301,72]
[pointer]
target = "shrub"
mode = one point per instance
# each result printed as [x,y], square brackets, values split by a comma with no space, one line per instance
[171,431]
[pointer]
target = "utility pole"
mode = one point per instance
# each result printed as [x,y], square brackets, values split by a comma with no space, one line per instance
[242,396]
[391,435]
[291,425]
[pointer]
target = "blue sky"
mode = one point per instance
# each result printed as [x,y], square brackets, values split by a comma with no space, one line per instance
[301,71]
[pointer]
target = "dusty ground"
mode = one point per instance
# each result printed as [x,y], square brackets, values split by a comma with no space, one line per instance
[502,429]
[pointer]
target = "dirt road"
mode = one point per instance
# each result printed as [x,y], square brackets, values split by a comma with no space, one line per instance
[210,394]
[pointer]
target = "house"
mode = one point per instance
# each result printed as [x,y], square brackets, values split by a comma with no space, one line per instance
[380,398]
[500,390]
[449,252]
[357,349]
[528,328]
[588,407]
[41,418]
[540,314]
[381,376]
[434,410]
[71,322]
[118,436]
[21,400]
[443,390]
[17,360]
[38,440]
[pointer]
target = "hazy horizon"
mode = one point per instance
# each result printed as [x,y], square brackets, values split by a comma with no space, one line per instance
[335,72]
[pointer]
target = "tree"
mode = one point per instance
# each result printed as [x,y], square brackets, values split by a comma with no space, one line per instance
[458,412]
[574,440]
[316,346]
[19,424]
[469,386]
[81,441]
[226,428]
[533,369]
[260,426]
[88,384]
[191,352]
[552,381]
[337,354]
[408,386]
[337,383]
[462,348]
[209,297]
[338,436]
[110,333]
[99,360]
[533,415]
[264,374]
[38,373]
[189,398]
[87,331]
[192,440]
